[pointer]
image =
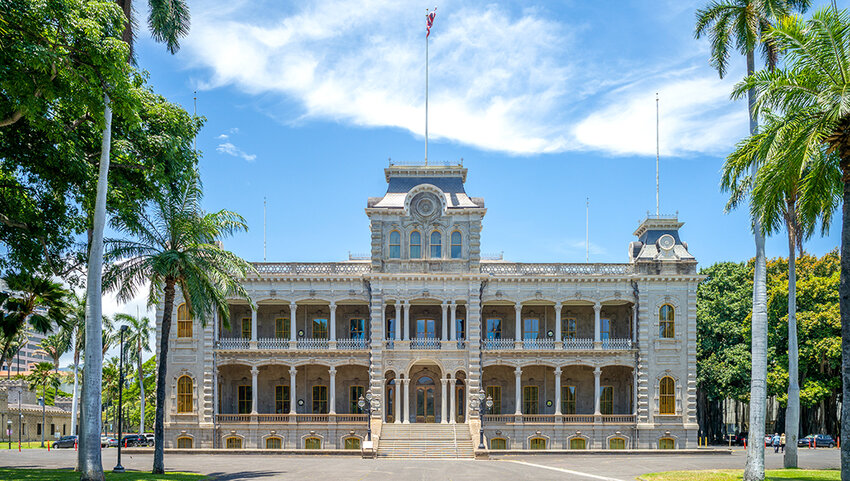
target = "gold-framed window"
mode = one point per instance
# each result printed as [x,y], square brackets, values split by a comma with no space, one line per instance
[244,399]
[246,328]
[312,443]
[273,443]
[352,443]
[184,322]
[320,399]
[320,328]
[529,399]
[234,443]
[395,244]
[606,400]
[436,245]
[184,442]
[666,322]
[184,394]
[578,443]
[281,399]
[354,393]
[537,443]
[495,392]
[457,245]
[282,328]
[498,443]
[415,245]
[568,399]
[667,395]
[569,328]
[617,443]
[666,443]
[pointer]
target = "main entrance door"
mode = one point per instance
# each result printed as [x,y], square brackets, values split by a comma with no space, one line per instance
[425,400]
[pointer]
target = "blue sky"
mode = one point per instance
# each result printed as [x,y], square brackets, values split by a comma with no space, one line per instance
[546,102]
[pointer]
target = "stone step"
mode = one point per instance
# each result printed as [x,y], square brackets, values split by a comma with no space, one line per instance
[420,440]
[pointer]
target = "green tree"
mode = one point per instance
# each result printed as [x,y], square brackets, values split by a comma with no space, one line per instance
[813,92]
[175,244]
[136,344]
[42,375]
[55,346]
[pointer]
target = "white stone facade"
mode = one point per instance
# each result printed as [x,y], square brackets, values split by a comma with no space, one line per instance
[595,356]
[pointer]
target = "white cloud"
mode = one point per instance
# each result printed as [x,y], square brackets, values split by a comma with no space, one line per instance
[223,137]
[499,80]
[230,149]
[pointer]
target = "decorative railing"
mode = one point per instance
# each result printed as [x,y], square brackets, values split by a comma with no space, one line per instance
[578,418]
[461,344]
[332,268]
[273,418]
[499,418]
[233,343]
[497,344]
[285,418]
[425,343]
[351,418]
[618,418]
[312,343]
[578,344]
[233,418]
[312,418]
[553,269]
[352,344]
[272,343]
[617,344]
[538,418]
[538,344]
[389,343]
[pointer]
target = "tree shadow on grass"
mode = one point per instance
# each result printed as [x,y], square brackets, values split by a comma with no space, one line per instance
[246,475]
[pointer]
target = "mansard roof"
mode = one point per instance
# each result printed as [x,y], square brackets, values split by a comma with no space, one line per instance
[402,179]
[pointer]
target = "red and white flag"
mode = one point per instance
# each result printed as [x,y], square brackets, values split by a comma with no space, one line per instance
[429,21]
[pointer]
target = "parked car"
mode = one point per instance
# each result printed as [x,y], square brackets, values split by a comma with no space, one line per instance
[65,442]
[817,441]
[108,442]
[150,438]
[742,438]
[133,440]
[768,441]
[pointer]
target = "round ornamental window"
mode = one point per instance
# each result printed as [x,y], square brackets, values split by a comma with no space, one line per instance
[425,207]
[666,242]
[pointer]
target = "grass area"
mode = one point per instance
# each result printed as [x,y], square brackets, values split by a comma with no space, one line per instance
[69,475]
[737,474]
[26,445]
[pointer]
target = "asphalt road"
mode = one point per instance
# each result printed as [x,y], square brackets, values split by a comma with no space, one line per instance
[338,468]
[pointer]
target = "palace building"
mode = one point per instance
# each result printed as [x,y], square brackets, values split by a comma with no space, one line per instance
[415,341]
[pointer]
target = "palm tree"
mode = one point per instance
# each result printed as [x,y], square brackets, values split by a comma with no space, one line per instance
[136,343]
[814,92]
[42,375]
[108,335]
[796,191]
[742,25]
[176,245]
[168,21]
[77,329]
[55,346]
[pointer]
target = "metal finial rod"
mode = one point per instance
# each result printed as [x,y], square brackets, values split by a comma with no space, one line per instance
[657,158]
[587,230]
[264,229]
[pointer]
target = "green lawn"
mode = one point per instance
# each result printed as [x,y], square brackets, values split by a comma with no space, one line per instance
[737,474]
[69,475]
[26,445]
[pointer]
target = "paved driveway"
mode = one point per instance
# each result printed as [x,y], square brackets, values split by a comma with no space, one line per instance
[337,468]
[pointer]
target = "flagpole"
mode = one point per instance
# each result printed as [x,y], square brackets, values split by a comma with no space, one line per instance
[657,157]
[426,97]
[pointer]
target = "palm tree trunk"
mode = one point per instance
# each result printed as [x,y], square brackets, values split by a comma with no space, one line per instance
[161,373]
[754,468]
[792,413]
[90,461]
[74,397]
[141,395]
[844,308]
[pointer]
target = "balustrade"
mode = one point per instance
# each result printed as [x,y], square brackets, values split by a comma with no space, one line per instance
[538,344]
[352,344]
[425,343]
[309,343]
[497,344]
[272,343]
[233,343]
[233,418]
[618,418]
[578,344]
[344,268]
[578,418]
[554,269]
[617,344]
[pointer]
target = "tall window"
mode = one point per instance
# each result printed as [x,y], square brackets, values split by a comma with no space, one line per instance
[320,328]
[578,443]
[273,443]
[281,399]
[569,328]
[531,329]
[184,323]
[184,443]
[494,328]
[537,443]
[246,328]
[606,401]
[606,329]
[312,443]
[426,329]
[495,392]
[666,324]
[568,399]
[281,328]
[352,443]
[390,328]
[459,324]
[415,245]
[457,245]
[436,245]
[234,443]
[395,245]
[529,399]
[354,393]
[667,389]
[320,399]
[184,394]
[244,400]
[356,328]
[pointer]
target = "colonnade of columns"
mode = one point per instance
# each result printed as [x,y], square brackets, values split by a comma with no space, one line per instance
[449,321]
[448,410]
[293,308]
[597,391]
[597,322]
[255,373]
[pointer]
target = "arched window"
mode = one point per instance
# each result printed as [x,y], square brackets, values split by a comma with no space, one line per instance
[184,442]
[395,245]
[436,245]
[666,324]
[617,443]
[666,443]
[234,443]
[415,245]
[352,443]
[498,443]
[184,323]
[667,390]
[273,443]
[312,443]
[578,443]
[537,443]
[184,394]
[457,244]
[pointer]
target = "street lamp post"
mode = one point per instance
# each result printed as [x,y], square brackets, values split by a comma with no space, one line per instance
[41,401]
[367,405]
[9,430]
[485,403]
[118,468]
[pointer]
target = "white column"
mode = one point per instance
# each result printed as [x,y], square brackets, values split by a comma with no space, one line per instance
[634,323]
[453,320]
[597,394]
[597,323]
[518,323]
[558,391]
[406,320]
[634,392]
[452,402]
[444,382]
[399,385]
[445,333]
[292,392]
[332,396]
[253,323]
[332,327]
[518,374]
[397,326]
[254,373]
[406,404]
[293,330]
[558,322]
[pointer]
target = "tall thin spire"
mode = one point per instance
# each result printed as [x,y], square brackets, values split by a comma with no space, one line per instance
[264,229]
[587,230]
[657,158]
[429,22]
[195,139]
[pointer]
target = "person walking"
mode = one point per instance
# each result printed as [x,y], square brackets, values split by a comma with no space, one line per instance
[782,443]
[775,442]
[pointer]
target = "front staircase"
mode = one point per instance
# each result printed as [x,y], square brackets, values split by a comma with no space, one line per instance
[425,440]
